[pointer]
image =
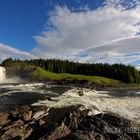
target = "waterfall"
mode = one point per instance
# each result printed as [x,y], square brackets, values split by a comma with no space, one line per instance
[2,74]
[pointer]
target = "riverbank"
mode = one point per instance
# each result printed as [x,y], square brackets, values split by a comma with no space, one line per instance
[89,85]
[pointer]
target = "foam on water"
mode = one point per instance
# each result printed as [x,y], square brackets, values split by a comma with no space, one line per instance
[128,107]
[137,93]
[23,87]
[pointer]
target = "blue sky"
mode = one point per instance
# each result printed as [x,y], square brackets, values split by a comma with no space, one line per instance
[78,30]
[22,19]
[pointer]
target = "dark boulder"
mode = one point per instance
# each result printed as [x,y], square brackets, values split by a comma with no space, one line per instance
[81,93]
[78,125]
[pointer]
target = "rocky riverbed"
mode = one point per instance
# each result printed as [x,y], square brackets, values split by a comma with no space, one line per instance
[69,123]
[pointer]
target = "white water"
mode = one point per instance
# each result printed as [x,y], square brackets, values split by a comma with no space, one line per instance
[128,107]
[20,88]
[23,86]
[2,74]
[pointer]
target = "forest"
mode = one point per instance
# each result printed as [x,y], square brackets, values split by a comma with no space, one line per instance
[127,74]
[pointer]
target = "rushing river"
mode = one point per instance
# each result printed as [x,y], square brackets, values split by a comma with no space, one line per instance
[13,95]
[126,103]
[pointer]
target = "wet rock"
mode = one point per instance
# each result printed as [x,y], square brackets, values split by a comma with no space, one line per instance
[38,114]
[100,126]
[124,125]
[17,124]
[4,119]
[49,98]
[14,114]
[115,120]
[60,132]
[89,127]
[86,135]
[17,129]
[81,93]
[93,111]
[42,121]
[27,115]
[68,123]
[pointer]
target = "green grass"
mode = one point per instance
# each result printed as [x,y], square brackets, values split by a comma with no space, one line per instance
[42,74]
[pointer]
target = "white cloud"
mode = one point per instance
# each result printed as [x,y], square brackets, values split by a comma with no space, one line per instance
[124,4]
[106,34]
[138,67]
[8,51]
[121,51]
[76,32]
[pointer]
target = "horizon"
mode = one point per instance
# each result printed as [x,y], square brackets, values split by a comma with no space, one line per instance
[100,31]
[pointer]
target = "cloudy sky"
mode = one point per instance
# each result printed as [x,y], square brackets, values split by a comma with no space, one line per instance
[80,30]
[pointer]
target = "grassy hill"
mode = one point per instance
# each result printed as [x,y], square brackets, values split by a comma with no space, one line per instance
[42,74]
[127,74]
[33,73]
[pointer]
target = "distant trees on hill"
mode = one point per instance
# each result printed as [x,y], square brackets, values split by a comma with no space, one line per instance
[127,74]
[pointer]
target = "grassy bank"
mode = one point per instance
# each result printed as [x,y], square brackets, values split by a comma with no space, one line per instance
[42,74]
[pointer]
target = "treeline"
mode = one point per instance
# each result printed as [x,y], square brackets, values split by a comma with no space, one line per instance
[127,74]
